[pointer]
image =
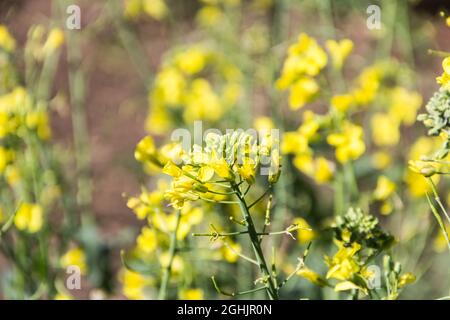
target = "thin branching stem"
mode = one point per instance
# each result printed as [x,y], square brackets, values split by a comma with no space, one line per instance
[162,295]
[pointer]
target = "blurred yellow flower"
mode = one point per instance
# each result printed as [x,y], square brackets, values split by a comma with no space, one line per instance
[381,160]
[404,105]
[367,85]
[263,124]
[444,79]
[147,241]
[312,276]
[323,170]
[191,61]
[304,236]
[202,102]
[342,102]
[7,42]
[63,296]
[157,9]
[54,40]
[339,51]
[384,189]
[349,143]
[305,60]
[405,279]
[134,284]
[294,142]
[385,130]
[302,91]
[29,217]
[191,294]
[177,263]
[440,243]
[230,251]
[74,257]
[209,16]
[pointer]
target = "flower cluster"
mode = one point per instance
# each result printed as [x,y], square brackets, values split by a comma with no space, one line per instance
[156,9]
[359,239]
[230,158]
[305,61]
[195,83]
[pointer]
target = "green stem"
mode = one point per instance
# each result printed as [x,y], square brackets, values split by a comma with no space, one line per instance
[254,238]
[77,87]
[130,42]
[162,295]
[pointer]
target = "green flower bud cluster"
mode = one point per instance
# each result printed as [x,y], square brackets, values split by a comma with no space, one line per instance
[363,229]
[438,117]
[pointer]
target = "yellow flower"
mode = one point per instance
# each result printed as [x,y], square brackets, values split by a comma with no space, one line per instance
[384,189]
[54,40]
[191,61]
[2,215]
[202,103]
[134,284]
[349,143]
[7,42]
[191,294]
[221,167]
[302,92]
[305,58]
[342,265]
[348,285]
[440,243]
[404,105]
[339,51]
[444,80]
[158,121]
[367,85]
[156,9]
[305,163]
[146,151]
[63,296]
[309,126]
[385,130]
[177,263]
[247,170]
[133,8]
[405,279]
[303,235]
[74,257]
[312,276]
[263,124]
[323,171]
[147,241]
[381,160]
[172,169]
[170,86]
[342,102]
[294,142]
[230,251]
[29,217]
[209,16]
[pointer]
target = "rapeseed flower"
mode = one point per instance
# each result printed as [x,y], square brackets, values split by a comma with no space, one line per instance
[29,217]
[74,257]
[339,51]
[349,142]
[7,42]
[191,294]
[444,79]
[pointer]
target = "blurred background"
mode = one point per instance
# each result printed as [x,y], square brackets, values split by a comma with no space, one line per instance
[120,52]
